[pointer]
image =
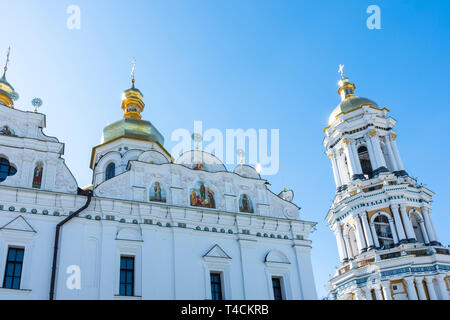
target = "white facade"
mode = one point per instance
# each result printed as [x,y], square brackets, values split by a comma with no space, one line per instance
[381,217]
[175,245]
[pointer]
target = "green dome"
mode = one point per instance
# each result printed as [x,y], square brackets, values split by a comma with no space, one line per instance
[132,128]
[350,104]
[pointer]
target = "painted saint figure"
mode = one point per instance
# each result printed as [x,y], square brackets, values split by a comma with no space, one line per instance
[202,196]
[157,193]
[245,204]
[37,176]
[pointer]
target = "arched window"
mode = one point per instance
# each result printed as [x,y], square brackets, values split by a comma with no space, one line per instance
[110,171]
[157,193]
[6,169]
[384,232]
[245,204]
[37,175]
[364,159]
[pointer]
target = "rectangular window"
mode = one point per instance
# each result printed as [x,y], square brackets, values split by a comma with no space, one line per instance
[126,276]
[277,292]
[13,270]
[216,286]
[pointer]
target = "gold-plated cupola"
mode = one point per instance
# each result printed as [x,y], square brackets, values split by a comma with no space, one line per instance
[132,100]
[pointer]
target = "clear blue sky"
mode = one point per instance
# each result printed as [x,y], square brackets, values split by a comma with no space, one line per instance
[242,64]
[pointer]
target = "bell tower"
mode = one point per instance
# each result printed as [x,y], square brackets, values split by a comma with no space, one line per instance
[379,212]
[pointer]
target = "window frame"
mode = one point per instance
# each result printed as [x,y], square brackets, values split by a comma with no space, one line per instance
[217,283]
[14,263]
[133,276]
[106,170]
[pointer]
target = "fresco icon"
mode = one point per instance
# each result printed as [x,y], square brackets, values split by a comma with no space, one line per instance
[157,193]
[202,196]
[245,204]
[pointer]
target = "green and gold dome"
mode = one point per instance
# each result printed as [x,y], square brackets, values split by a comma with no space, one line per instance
[349,101]
[132,126]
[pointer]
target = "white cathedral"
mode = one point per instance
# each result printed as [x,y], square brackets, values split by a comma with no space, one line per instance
[149,226]
[387,242]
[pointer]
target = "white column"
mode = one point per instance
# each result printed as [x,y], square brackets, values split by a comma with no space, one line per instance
[398,222]
[428,224]
[391,155]
[372,154]
[368,293]
[412,294]
[367,231]
[360,236]
[374,234]
[420,288]
[407,223]
[394,232]
[378,294]
[347,246]
[350,159]
[340,243]
[424,231]
[440,278]
[430,287]
[358,294]
[337,178]
[356,158]
[397,154]
[385,285]
[378,152]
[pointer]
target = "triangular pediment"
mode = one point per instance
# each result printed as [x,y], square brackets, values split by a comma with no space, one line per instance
[217,252]
[18,224]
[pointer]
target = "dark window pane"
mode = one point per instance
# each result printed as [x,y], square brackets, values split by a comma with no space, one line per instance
[12,254]
[216,286]
[10,269]
[18,270]
[8,282]
[19,255]
[277,294]
[16,283]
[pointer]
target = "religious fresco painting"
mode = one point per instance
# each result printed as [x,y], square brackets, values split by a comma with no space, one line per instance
[157,193]
[37,176]
[199,166]
[245,204]
[202,196]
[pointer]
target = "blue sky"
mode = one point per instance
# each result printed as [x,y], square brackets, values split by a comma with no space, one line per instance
[242,64]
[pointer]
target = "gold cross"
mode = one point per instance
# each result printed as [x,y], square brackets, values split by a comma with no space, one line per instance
[341,70]
[7,59]
[133,68]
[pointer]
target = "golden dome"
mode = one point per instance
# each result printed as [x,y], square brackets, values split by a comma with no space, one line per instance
[349,102]
[348,105]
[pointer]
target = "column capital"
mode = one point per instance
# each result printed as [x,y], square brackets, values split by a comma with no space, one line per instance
[385,283]
[418,279]
[363,214]
[440,276]
[429,279]
[409,280]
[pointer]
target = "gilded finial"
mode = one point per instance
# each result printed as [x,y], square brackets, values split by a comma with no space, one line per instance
[341,70]
[133,68]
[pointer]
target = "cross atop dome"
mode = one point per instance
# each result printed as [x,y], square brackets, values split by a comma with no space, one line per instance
[7,62]
[132,99]
[346,89]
